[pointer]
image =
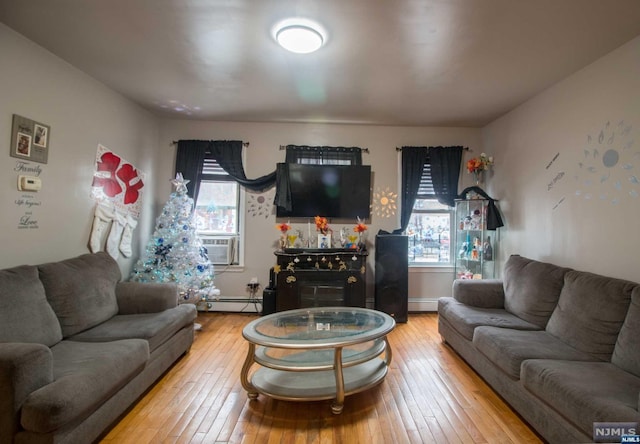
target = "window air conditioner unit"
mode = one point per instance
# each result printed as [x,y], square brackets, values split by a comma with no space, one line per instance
[221,250]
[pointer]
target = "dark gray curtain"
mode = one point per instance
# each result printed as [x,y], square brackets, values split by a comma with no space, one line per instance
[189,159]
[324,154]
[445,164]
[413,160]
[227,153]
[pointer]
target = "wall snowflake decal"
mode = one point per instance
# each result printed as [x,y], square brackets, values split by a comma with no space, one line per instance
[606,169]
[260,204]
[384,202]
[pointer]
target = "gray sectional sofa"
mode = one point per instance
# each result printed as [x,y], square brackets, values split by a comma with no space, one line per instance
[78,347]
[562,347]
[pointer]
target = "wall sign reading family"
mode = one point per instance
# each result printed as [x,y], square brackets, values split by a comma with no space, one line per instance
[29,139]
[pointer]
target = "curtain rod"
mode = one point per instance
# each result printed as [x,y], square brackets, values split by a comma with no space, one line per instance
[466,148]
[176,142]
[284,147]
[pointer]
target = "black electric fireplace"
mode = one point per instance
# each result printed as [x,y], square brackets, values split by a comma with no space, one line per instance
[320,278]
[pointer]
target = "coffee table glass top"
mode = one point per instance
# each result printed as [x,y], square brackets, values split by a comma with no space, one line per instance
[318,327]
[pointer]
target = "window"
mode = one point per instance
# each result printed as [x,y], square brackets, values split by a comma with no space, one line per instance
[217,212]
[429,232]
[430,226]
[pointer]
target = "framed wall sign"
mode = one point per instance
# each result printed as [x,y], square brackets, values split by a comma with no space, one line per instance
[29,139]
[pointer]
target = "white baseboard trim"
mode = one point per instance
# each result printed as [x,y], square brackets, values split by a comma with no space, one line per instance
[417,305]
[229,304]
[246,305]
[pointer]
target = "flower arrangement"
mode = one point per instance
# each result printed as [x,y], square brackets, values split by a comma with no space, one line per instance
[322,225]
[283,227]
[478,165]
[481,163]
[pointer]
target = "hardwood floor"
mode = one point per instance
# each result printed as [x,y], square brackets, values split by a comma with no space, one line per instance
[429,396]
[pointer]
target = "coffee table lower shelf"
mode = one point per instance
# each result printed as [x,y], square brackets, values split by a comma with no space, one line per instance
[318,385]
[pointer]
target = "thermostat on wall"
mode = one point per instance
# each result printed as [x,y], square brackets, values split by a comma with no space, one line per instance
[29,183]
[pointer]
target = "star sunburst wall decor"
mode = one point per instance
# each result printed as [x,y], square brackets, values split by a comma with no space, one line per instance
[384,202]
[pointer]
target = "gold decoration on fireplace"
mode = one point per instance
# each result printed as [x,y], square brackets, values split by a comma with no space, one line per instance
[342,266]
[363,269]
[291,267]
[352,279]
[291,279]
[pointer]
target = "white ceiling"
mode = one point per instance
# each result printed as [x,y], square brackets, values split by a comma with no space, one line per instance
[388,62]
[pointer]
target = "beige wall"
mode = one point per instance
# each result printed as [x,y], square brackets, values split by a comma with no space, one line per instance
[261,157]
[82,113]
[546,217]
[581,209]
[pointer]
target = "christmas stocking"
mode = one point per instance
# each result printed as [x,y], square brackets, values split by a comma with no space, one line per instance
[127,235]
[103,216]
[117,227]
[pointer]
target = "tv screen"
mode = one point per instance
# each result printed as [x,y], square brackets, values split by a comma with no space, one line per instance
[335,191]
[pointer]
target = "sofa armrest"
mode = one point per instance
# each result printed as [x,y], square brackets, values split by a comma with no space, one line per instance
[138,297]
[24,368]
[485,293]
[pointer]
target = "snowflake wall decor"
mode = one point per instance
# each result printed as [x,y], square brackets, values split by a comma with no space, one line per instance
[260,204]
[607,165]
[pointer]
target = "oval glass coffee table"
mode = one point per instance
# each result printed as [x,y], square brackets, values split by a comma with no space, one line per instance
[319,353]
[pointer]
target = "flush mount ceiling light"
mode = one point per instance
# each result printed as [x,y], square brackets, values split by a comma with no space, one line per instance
[299,35]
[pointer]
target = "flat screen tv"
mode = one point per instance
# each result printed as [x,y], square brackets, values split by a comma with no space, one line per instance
[334,191]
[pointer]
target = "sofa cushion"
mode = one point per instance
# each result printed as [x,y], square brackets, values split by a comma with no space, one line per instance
[464,318]
[626,353]
[532,288]
[584,392]
[590,312]
[508,348]
[156,328]
[81,290]
[85,376]
[25,314]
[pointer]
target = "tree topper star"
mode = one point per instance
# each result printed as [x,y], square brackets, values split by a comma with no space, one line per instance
[180,183]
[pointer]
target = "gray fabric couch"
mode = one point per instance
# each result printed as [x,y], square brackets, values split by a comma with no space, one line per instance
[78,347]
[562,347]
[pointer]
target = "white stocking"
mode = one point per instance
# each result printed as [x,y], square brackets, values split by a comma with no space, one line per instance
[127,236]
[113,241]
[103,216]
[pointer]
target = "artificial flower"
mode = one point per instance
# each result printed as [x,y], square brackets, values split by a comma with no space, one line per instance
[283,227]
[322,225]
[481,163]
[361,227]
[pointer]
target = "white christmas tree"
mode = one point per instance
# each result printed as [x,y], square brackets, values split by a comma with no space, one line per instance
[175,253]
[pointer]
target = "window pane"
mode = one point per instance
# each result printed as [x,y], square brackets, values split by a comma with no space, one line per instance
[217,208]
[429,234]
[429,204]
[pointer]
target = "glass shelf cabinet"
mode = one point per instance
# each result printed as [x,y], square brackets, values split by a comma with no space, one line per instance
[475,247]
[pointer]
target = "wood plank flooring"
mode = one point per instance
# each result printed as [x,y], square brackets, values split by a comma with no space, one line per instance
[429,396]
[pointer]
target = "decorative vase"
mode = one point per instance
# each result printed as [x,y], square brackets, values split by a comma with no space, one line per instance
[479,176]
[324,240]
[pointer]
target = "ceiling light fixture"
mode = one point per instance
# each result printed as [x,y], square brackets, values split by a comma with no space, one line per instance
[299,35]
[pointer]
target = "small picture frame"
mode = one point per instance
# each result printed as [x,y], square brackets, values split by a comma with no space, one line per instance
[30,140]
[23,145]
[40,135]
